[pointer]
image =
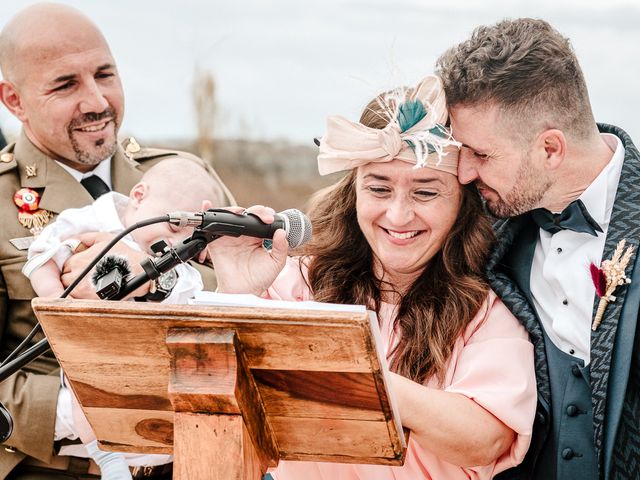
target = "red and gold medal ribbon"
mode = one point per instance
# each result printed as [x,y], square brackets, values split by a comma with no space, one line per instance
[30,215]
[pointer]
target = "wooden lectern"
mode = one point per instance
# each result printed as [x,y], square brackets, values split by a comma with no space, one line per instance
[228,390]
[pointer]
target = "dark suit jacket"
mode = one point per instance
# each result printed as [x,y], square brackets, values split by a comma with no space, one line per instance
[613,344]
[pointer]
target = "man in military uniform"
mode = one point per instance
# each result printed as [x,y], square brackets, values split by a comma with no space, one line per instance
[61,82]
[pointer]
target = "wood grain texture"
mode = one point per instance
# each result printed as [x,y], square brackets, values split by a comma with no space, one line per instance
[229,453]
[319,394]
[203,370]
[309,368]
[209,375]
[131,430]
[347,439]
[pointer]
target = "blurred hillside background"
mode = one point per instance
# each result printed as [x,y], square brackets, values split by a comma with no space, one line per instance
[248,84]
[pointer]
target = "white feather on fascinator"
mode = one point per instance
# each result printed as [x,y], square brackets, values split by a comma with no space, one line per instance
[416,133]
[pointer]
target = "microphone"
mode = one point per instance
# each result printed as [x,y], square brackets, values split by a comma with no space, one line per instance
[109,275]
[223,222]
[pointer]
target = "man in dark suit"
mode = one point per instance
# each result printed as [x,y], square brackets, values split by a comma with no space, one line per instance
[566,190]
[61,81]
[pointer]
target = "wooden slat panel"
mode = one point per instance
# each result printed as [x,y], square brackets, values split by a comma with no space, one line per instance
[110,396]
[143,431]
[273,345]
[354,439]
[319,394]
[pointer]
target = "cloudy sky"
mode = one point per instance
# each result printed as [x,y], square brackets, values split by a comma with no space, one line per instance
[282,66]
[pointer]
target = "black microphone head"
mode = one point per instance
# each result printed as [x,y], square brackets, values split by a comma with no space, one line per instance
[109,263]
[297,226]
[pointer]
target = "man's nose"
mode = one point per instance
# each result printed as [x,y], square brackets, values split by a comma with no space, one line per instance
[93,99]
[467,171]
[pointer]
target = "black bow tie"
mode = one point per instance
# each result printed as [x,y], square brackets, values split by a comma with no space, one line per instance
[95,186]
[575,217]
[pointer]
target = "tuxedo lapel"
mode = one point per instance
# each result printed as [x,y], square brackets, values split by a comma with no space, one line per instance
[517,262]
[612,342]
[509,270]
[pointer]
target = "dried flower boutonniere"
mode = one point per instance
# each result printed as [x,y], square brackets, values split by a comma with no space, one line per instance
[608,277]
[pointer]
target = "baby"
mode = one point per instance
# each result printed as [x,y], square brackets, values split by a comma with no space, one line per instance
[171,185]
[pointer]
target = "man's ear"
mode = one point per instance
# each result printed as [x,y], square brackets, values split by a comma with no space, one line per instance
[11,98]
[138,193]
[554,144]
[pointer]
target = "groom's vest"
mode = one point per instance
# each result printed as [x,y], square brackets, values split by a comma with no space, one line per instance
[569,452]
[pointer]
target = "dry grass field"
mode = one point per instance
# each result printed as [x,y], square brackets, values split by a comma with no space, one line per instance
[278,174]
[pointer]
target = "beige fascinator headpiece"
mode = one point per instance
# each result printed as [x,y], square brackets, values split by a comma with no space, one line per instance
[416,133]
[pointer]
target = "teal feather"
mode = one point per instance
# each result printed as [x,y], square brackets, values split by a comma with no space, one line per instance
[410,113]
[439,130]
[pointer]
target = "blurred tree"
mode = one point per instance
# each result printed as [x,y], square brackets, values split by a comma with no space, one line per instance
[204,98]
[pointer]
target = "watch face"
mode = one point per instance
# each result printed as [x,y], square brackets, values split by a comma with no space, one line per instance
[168,280]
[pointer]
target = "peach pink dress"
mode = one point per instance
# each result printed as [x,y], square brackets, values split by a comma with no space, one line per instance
[491,363]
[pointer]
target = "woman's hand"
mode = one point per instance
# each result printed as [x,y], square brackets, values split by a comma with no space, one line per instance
[242,265]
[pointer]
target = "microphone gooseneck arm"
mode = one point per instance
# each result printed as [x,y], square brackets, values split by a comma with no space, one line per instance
[172,257]
[37,328]
[210,225]
[17,360]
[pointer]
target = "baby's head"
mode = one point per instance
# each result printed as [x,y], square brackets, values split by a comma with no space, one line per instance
[176,184]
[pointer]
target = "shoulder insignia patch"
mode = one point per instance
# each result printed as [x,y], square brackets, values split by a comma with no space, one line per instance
[7,163]
[132,148]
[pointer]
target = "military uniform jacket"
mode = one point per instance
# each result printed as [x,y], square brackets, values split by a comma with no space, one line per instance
[31,394]
[615,353]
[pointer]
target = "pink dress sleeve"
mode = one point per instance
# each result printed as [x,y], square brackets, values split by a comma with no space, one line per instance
[494,366]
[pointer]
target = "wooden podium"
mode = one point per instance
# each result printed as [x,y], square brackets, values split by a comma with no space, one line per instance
[228,390]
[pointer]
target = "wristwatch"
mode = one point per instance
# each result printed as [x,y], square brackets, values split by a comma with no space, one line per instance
[162,286]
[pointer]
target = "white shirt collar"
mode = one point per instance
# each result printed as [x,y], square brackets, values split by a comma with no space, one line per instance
[605,184]
[102,170]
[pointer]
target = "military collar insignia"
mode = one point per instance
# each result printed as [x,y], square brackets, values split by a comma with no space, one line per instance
[31,170]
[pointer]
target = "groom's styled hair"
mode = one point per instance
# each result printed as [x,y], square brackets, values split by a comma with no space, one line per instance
[526,68]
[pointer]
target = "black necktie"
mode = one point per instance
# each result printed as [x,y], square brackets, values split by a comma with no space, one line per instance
[575,217]
[95,186]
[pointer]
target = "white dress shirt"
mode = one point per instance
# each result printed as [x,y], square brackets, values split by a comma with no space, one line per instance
[102,170]
[561,285]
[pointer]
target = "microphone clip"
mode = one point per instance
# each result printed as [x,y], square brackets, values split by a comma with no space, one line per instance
[108,285]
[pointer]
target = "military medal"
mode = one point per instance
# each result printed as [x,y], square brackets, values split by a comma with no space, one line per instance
[30,215]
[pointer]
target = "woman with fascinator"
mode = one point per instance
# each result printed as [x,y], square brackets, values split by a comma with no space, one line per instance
[400,235]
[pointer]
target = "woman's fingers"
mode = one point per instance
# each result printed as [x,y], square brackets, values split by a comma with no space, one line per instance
[266,214]
[280,246]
